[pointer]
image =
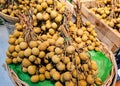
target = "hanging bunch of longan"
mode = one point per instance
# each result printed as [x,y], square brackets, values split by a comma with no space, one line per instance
[109,13]
[48,46]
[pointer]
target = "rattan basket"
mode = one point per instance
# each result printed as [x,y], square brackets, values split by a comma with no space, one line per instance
[110,81]
[9,18]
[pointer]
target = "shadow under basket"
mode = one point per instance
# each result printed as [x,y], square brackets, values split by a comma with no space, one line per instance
[110,81]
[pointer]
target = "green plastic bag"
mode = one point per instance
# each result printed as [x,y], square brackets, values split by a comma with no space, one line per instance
[104,64]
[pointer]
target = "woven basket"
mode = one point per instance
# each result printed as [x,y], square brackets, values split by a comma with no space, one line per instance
[105,33]
[9,18]
[110,81]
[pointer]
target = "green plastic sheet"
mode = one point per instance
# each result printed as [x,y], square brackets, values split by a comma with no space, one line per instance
[104,68]
[104,64]
[26,77]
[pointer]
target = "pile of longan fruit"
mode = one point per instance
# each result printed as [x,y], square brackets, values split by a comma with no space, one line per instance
[51,56]
[105,14]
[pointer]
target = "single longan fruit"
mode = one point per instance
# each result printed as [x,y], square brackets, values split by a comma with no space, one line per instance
[19,59]
[11,48]
[42,69]
[35,78]
[58,83]
[32,69]
[35,51]
[47,75]
[17,48]
[28,52]
[53,14]
[33,44]
[15,60]
[15,54]
[32,58]
[42,54]
[21,54]
[26,62]
[42,77]
[24,69]
[44,5]
[8,60]
[12,40]
[23,45]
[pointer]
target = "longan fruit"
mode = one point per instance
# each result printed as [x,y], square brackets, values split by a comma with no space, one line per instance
[47,75]
[55,59]
[58,50]
[42,77]
[58,83]
[17,48]
[26,62]
[35,78]
[90,79]
[37,61]
[14,54]
[20,39]
[33,44]
[32,69]
[8,53]
[66,60]
[12,40]
[35,51]
[8,60]
[39,8]
[32,58]
[60,66]
[21,54]
[11,48]
[27,52]
[41,54]
[44,5]
[16,33]
[56,75]
[23,45]
[83,56]
[49,66]
[54,25]
[24,69]
[49,2]
[42,69]
[82,83]
[15,61]
[39,16]
[19,59]
[53,14]
[37,30]
[67,76]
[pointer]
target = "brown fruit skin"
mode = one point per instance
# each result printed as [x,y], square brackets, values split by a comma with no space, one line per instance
[58,84]
[47,75]
[33,44]
[82,83]
[42,77]
[32,69]
[11,40]
[35,78]
[26,62]
[11,48]
[8,60]
[23,45]
[42,69]
[67,76]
